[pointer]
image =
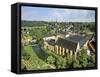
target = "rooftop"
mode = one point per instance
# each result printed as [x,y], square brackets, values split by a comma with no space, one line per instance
[77,38]
[69,42]
[66,44]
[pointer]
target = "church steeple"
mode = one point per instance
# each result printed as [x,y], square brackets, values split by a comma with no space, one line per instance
[56,20]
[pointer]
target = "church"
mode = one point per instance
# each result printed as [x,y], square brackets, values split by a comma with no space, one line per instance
[65,46]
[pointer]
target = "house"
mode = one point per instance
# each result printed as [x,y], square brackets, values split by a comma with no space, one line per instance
[91,46]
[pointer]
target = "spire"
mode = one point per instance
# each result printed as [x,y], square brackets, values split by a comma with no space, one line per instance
[56,20]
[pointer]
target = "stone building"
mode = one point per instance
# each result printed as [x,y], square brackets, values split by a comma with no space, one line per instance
[65,46]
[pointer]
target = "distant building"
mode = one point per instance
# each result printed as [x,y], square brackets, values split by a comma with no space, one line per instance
[48,38]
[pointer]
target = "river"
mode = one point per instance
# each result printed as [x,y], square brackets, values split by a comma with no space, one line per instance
[39,52]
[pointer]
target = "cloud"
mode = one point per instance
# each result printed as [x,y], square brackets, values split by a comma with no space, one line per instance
[79,15]
[56,14]
[51,14]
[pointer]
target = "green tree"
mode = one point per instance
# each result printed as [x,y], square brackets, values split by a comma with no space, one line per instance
[69,61]
[76,64]
[92,58]
[50,60]
[83,58]
[60,63]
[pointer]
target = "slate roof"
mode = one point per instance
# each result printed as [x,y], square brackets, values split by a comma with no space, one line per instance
[68,44]
[78,38]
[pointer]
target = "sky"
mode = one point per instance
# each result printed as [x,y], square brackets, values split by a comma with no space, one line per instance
[53,14]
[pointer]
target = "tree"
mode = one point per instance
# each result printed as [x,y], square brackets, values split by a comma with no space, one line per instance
[92,58]
[76,64]
[50,60]
[48,28]
[83,58]
[60,63]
